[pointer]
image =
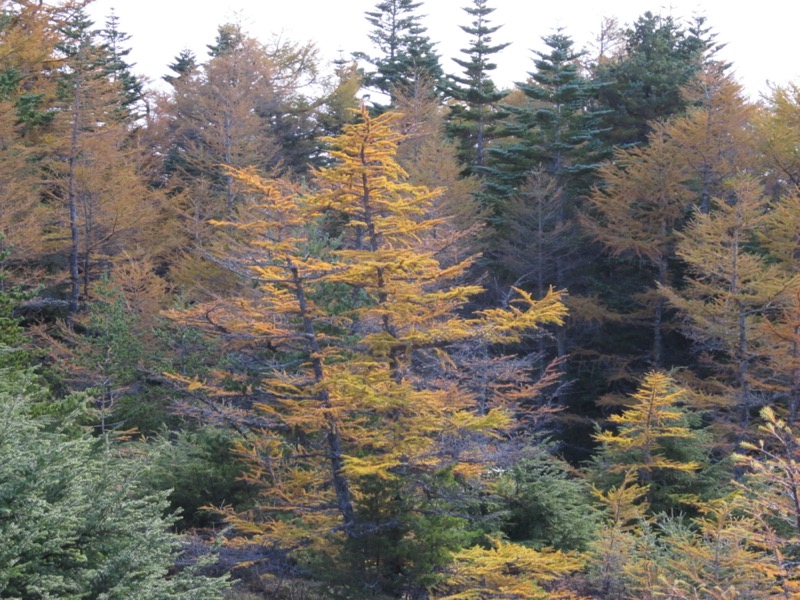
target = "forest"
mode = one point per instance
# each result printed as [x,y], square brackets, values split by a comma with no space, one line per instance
[296,328]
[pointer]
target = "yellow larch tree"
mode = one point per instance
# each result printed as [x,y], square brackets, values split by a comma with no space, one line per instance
[731,289]
[781,377]
[512,571]
[94,172]
[777,130]
[230,110]
[27,62]
[637,210]
[625,510]
[715,138]
[781,333]
[354,425]
[431,160]
[770,491]
[719,558]
[643,427]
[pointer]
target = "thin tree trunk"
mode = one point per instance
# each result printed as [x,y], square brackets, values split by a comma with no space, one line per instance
[341,486]
[72,201]
[658,317]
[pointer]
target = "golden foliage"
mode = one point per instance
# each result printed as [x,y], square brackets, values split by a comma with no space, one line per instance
[651,418]
[349,404]
[511,571]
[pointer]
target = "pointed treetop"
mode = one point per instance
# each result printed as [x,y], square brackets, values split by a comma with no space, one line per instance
[183,65]
[407,53]
[229,37]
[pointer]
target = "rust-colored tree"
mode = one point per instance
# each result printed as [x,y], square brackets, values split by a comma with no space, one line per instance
[731,289]
[637,210]
[715,138]
[95,171]
[27,64]
[777,131]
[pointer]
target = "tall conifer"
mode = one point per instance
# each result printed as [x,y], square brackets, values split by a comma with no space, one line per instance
[406,52]
[474,114]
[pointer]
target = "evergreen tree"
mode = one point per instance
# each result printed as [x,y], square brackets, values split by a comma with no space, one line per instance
[554,129]
[645,79]
[545,505]
[77,521]
[12,336]
[552,144]
[407,55]
[230,38]
[474,114]
[185,63]
[117,69]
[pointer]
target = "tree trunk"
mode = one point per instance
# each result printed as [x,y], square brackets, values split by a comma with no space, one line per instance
[72,202]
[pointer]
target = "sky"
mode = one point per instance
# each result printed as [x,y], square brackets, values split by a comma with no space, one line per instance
[761,41]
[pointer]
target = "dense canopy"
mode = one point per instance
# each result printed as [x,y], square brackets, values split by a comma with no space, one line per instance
[300,328]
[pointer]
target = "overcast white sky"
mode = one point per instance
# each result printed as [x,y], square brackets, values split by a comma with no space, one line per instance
[761,40]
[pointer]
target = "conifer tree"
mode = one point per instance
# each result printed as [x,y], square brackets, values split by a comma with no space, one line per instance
[362,427]
[184,64]
[474,116]
[625,509]
[551,138]
[718,556]
[27,88]
[715,135]
[781,377]
[243,107]
[554,129]
[777,133]
[547,504]
[216,120]
[643,199]
[431,160]
[730,289]
[641,202]
[652,419]
[230,38]
[96,176]
[770,496]
[728,551]
[552,132]
[406,52]
[535,236]
[117,69]
[645,80]
[508,570]
[77,519]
